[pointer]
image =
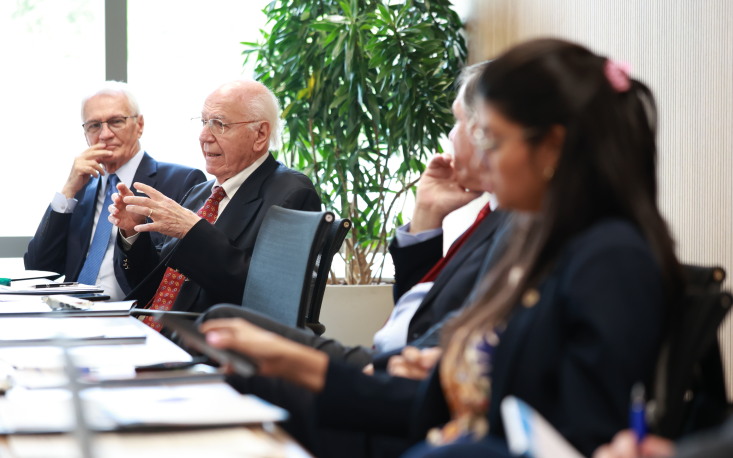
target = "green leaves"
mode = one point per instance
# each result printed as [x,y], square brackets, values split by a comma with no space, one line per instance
[367,87]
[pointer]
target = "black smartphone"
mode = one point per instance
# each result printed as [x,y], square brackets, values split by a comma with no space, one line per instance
[191,336]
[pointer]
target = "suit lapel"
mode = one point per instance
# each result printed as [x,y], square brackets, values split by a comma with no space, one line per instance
[485,230]
[146,172]
[245,204]
[513,340]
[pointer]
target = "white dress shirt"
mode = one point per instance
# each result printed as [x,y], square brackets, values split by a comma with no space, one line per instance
[106,278]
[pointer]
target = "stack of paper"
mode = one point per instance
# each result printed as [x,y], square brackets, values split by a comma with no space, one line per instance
[185,405]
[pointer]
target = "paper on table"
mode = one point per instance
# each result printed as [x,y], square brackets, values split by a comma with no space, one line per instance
[19,305]
[529,434]
[237,442]
[34,330]
[194,404]
[71,289]
[165,405]
[29,275]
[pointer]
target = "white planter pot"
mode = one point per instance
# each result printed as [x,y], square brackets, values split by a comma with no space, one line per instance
[353,313]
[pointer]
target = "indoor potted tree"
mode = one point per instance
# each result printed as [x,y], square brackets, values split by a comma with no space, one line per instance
[366,88]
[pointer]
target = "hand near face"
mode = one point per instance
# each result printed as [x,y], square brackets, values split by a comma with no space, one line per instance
[624,445]
[86,165]
[438,194]
[167,217]
[414,363]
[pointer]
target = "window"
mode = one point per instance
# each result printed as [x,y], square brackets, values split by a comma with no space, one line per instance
[52,51]
[178,53]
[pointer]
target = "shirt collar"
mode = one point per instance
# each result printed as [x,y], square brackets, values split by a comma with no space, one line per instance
[126,172]
[232,185]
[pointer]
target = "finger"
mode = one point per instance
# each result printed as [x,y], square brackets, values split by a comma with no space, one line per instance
[96,147]
[226,368]
[604,451]
[398,370]
[138,201]
[91,168]
[149,190]
[123,189]
[440,159]
[394,362]
[219,338]
[219,323]
[411,354]
[656,446]
[141,210]
[624,444]
[145,227]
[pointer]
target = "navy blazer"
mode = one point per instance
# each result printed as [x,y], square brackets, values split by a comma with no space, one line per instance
[215,258]
[455,281]
[62,239]
[573,355]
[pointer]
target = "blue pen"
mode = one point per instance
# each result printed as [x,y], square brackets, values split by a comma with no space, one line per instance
[637,420]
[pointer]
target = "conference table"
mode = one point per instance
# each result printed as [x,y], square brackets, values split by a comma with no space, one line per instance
[49,425]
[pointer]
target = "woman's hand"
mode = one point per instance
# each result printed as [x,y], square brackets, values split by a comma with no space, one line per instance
[624,445]
[414,363]
[274,355]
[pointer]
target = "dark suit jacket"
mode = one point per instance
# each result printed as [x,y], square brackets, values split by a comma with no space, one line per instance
[454,283]
[573,355]
[215,258]
[62,239]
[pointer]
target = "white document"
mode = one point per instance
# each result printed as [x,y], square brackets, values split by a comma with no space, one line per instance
[20,306]
[34,288]
[167,405]
[529,434]
[41,330]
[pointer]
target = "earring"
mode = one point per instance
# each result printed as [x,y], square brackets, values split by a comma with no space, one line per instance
[548,172]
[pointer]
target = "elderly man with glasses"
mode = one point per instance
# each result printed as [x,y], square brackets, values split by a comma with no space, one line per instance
[210,235]
[75,237]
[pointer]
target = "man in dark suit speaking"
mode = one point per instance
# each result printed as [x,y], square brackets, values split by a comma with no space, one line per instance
[75,237]
[210,235]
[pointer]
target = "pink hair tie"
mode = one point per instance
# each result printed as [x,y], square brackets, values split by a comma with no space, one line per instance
[617,74]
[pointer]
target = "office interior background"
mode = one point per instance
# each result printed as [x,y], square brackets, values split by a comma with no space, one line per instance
[177,51]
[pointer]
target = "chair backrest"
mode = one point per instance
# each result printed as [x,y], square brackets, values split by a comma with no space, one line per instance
[280,275]
[334,238]
[689,387]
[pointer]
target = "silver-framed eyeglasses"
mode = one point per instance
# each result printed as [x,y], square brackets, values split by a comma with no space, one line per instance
[114,124]
[217,126]
[482,142]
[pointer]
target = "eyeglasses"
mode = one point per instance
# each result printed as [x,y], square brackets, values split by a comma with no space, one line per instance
[482,142]
[488,143]
[114,124]
[217,126]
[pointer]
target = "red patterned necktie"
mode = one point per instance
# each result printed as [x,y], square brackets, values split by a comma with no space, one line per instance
[170,286]
[433,273]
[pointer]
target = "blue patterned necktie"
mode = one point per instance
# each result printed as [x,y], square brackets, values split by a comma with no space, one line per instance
[100,241]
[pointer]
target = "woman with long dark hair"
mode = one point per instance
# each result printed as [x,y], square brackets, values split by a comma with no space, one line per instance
[573,314]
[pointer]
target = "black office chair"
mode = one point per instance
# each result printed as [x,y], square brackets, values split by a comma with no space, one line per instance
[334,238]
[689,388]
[280,277]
